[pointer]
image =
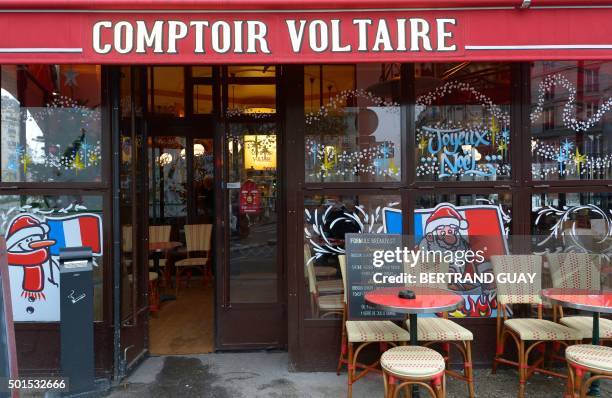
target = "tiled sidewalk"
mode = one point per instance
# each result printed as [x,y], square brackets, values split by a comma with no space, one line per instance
[263,374]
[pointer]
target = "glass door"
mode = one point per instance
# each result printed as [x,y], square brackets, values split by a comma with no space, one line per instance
[252,291]
[251,296]
[132,216]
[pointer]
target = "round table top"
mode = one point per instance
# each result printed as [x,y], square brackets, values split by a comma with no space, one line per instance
[580,299]
[163,246]
[428,300]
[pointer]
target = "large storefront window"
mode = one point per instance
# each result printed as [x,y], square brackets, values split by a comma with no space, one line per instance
[327,218]
[572,221]
[353,123]
[51,125]
[570,120]
[462,121]
[56,221]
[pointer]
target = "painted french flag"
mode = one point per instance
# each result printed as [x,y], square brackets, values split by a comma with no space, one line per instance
[74,231]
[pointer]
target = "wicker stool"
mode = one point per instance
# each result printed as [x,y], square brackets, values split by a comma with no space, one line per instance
[413,365]
[583,358]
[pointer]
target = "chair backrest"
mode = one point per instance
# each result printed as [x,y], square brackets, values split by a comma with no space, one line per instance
[518,293]
[126,238]
[575,270]
[307,258]
[342,262]
[310,273]
[198,237]
[427,267]
[159,233]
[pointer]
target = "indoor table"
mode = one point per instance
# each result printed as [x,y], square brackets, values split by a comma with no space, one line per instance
[157,249]
[595,301]
[427,300]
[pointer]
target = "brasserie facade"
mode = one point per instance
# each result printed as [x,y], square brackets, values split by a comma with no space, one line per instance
[284,126]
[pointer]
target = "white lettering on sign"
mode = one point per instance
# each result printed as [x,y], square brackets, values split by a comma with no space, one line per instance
[251,36]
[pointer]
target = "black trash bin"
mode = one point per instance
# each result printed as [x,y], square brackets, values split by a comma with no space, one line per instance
[76,321]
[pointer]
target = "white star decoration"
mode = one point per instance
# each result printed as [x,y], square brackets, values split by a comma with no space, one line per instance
[70,78]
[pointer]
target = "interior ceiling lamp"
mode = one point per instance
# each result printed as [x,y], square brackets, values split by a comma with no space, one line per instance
[164,159]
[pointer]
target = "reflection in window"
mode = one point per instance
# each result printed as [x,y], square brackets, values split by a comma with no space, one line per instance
[51,123]
[168,179]
[571,120]
[253,212]
[353,123]
[462,118]
[326,220]
[28,302]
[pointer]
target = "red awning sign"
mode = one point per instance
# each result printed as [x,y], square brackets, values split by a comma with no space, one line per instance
[307,36]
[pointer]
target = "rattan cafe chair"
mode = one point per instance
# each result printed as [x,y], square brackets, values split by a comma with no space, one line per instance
[356,335]
[527,333]
[578,271]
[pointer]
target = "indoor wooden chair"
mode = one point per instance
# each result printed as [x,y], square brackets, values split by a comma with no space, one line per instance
[322,305]
[161,233]
[443,331]
[407,366]
[578,271]
[324,286]
[527,333]
[587,358]
[198,238]
[356,335]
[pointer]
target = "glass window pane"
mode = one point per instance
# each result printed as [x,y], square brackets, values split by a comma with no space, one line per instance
[574,222]
[327,218]
[35,293]
[570,120]
[167,180]
[355,134]
[253,218]
[461,222]
[204,179]
[167,90]
[202,99]
[127,163]
[51,127]
[462,121]
[251,99]
[201,71]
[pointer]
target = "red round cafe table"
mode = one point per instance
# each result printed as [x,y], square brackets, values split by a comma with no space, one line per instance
[595,301]
[428,300]
[156,249]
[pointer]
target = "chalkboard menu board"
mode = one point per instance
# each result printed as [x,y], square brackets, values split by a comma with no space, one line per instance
[360,272]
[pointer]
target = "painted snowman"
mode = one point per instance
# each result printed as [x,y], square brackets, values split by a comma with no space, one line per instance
[28,248]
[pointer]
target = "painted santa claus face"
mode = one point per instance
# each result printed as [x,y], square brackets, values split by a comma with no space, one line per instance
[447,234]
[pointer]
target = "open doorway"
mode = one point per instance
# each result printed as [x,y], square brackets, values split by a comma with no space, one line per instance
[181,210]
[202,180]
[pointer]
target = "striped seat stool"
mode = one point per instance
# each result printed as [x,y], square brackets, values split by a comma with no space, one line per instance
[407,366]
[582,358]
